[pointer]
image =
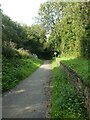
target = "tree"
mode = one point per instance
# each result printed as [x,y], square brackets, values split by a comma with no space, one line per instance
[69,35]
[17,36]
[49,14]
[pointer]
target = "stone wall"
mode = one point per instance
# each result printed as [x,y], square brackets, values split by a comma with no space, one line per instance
[77,82]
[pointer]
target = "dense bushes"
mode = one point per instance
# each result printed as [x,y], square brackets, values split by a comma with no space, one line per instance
[15,35]
[68,25]
[67,33]
[9,52]
[73,29]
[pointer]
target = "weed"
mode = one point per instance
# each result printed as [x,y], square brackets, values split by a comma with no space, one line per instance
[16,69]
[66,102]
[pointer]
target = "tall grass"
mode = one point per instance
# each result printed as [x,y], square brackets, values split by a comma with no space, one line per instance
[80,65]
[16,69]
[66,102]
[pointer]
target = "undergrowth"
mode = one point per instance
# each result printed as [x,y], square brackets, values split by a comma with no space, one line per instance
[80,65]
[66,102]
[16,69]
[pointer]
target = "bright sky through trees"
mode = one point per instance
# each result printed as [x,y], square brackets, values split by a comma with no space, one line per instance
[22,11]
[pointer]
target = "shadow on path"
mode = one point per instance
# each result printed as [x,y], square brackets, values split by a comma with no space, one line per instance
[30,98]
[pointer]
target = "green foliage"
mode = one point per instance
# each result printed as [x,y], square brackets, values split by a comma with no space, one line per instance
[66,102]
[15,36]
[35,39]
[9,52]
[54,40]
[11,31]
[16,69]
[23,53]
[80,65]
[67,25]
[49,13]
[73,32]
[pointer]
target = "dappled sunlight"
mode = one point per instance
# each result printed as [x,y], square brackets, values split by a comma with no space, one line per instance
[20,91]
[80,66]
[30,97]
[61,39]
[65,100]
[65,58]
[45,67]
[35,106]
[34,63]
[29,109]
[17,70]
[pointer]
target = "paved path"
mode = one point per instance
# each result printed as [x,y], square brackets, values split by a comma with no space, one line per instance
[29,99]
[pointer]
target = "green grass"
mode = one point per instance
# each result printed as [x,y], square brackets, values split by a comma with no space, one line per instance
[80,65]
[17,69]
[66,102]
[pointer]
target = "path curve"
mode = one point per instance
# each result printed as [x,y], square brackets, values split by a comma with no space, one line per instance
[29,99]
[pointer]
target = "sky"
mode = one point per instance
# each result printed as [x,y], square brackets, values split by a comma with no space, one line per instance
[22,11]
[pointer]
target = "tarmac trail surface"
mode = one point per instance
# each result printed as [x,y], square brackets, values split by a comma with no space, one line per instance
[29,99]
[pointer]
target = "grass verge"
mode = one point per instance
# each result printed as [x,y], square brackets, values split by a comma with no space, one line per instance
[17,69]
[80,65]
[66,102]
